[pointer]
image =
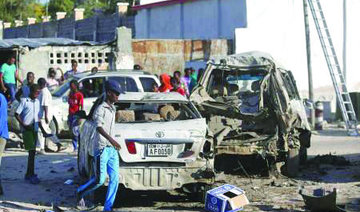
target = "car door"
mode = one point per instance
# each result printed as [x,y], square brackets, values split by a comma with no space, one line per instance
[91,88]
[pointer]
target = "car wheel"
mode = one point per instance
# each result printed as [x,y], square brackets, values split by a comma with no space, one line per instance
[54,126]
[292,162]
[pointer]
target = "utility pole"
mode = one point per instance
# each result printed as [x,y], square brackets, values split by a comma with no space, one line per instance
[344,39]
[308,56]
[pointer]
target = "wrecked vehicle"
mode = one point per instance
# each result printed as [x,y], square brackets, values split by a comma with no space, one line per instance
[160,147]
[253,107]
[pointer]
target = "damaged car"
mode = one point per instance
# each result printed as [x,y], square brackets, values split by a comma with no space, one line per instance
[164,143]
[253,108]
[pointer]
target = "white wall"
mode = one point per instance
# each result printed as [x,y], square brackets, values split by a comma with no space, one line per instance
[277,27]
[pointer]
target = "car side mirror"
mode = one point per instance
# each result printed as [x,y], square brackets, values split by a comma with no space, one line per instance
[308,103]
[65,99]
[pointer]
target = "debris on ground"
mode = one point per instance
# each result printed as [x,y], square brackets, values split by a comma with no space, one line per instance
[330,160]
[320,200]
[225,198]
[69,182]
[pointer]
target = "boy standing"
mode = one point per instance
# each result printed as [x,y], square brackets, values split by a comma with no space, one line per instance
[45,99]
[76,103]
[28,115]
[106,154]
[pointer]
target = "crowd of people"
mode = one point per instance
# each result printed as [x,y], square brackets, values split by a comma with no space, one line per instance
[36,118]
[178,83]
[34,112]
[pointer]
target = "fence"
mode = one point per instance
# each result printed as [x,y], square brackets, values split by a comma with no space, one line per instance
[96,28]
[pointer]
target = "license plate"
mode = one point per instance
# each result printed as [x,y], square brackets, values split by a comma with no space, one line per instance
[159,150]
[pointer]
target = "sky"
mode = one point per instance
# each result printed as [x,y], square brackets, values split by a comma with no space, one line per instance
[43,1]
[277,27]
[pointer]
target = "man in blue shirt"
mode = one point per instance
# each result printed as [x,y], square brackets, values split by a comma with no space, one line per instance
[4,132]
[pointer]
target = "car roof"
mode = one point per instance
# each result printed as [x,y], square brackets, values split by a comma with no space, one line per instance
[249,59]
[122,72]
[152,97]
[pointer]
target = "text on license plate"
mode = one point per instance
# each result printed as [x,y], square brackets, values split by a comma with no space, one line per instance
[159,150]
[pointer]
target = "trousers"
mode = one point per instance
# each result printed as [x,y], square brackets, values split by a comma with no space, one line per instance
[105,163]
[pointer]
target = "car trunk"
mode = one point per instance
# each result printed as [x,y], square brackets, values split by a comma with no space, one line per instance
[170,141]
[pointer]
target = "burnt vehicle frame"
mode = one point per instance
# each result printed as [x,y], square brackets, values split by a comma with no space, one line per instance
[253,107]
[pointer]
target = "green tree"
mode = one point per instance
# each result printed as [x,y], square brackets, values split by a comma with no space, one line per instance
[91,5]
[60,6]
[19,10]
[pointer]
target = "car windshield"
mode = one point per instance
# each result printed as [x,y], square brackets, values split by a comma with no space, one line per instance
[234,82]
[243,82]
[58,92]
[154,112]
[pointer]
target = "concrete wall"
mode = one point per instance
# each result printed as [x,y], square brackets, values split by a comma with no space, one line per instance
[39,60]
[113,56]
[167,56]
[201,19]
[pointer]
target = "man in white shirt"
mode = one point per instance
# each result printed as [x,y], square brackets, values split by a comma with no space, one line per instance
[45,99]
[74,70]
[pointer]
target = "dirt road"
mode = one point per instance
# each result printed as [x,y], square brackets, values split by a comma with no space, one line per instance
[266,194]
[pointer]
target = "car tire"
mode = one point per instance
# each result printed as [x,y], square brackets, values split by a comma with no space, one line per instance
[292,162]
[56,125]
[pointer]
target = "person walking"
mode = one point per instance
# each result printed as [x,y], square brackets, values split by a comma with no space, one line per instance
[4,131]
[28,114]
[8,76]
[106,156]
[76,103]
[45,99]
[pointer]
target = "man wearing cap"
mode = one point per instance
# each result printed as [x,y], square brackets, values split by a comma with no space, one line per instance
[106,158]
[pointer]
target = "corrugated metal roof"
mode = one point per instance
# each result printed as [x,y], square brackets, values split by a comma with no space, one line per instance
[37,42]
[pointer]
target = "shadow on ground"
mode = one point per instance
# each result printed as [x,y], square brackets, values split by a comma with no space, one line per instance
[332,169]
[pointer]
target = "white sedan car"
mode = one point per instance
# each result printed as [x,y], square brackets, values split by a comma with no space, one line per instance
[163,139]
[92,86]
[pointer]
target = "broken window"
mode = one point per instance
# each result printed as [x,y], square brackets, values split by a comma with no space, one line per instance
[92,87]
